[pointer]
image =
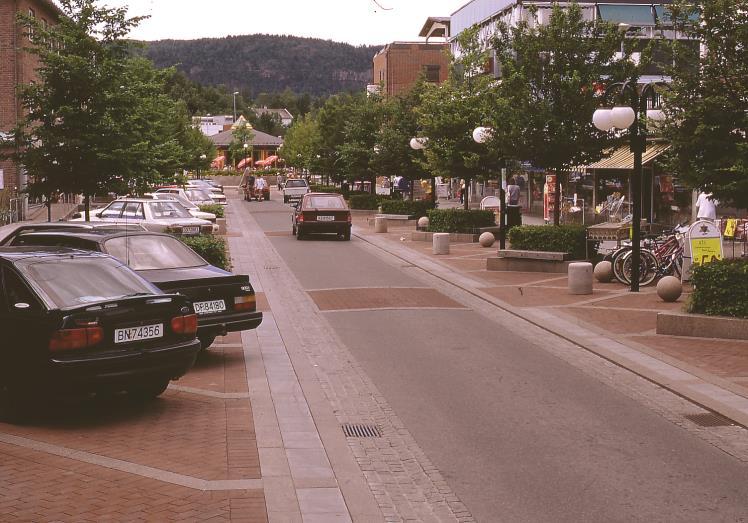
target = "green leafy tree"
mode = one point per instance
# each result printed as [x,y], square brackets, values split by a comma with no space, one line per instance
[331,121]
[549,75]
[707,103]
[302,143]
[358,152]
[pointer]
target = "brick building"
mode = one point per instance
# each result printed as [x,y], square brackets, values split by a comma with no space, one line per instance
[399,65]
[17,66]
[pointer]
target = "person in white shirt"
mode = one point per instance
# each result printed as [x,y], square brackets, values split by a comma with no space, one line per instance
[707,207]
[260,184]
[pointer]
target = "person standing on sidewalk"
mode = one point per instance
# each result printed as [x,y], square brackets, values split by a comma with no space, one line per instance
[514,211]
[707,207]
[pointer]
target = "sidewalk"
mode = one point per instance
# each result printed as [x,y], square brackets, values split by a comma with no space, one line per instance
[612,322]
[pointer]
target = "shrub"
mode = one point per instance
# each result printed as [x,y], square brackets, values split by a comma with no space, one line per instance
[720,288]
[325,188]
[570,239]
[416,208]
[213,208]
[212,248]
[459,220]
[364,201]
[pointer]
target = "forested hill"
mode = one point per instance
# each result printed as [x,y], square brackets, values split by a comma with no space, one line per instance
[257,64]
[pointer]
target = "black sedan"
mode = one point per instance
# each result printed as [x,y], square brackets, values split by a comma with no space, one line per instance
[82,321]
[224,302]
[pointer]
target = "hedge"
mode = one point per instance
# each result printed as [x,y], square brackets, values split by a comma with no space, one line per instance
[364,201]
[415,208]
[212,248]
[720,288]
[212,208]
[570,239]
[459,220]
[325,188]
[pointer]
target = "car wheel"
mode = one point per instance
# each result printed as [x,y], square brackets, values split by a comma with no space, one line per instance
[285,200]
[293,230]
[206,340]
[267,197]
[347,235]
[15,404]
[148,390]
[299,234]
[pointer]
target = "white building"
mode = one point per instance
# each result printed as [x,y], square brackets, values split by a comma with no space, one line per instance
[212,125]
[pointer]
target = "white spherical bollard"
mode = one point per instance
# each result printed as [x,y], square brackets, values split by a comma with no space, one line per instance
[669,288]
[486,239]
[580,278]
[380,224]
[423,222]
[604,271]
[441,243]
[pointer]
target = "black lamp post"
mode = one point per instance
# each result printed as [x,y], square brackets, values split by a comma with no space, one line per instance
[630,117]
[482,135]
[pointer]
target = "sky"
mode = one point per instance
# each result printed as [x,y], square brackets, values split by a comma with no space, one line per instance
[353,21]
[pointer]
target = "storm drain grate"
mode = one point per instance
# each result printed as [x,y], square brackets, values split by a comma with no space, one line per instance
[709,420]
[353,430]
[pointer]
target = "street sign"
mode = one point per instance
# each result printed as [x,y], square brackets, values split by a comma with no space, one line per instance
[703,245]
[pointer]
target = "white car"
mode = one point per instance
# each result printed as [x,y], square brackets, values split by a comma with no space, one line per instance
[192,194]
[294,189]
[154,215]
[215,194]
[191,207]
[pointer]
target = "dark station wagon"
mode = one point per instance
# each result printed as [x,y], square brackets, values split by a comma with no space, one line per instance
[83,321]
[320,213]
[223,302]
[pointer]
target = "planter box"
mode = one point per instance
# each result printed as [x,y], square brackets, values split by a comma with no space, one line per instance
[454,237]
[529,261]
[702,326]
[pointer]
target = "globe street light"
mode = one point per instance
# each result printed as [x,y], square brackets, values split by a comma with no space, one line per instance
[483,135]
[235,93]
[246,146]
[628,117]
[419,144]
[202,159]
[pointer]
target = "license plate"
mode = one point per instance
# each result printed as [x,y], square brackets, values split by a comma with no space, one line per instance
[190,230]
[325,218]
[146,332]
[209,307]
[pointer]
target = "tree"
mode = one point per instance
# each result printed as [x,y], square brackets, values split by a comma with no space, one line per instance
[302,143]
[549,75]
[707,103]
[97,119]
[331,121]
[357,152]
[241,141]
[451,111]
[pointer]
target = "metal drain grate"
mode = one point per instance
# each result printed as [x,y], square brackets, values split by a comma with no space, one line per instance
[352,430]
[709,419]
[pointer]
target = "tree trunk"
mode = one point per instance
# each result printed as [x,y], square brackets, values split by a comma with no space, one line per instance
[466,195]
[87,207]
[557,199]
[433,190]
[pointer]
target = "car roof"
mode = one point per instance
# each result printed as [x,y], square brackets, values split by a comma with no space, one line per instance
[94,234]
[309,194]
[33,251]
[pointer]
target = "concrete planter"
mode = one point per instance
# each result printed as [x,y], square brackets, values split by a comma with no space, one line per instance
[702,326]
[454,237]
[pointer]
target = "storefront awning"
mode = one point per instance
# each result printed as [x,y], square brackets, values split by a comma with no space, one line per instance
[623,158]
[635,15]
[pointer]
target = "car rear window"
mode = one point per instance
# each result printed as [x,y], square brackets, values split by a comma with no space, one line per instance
[324,202]
[75,281]
[296,183]
[166,209]
[144,253]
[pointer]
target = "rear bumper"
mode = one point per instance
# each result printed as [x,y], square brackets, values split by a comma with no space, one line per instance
[217,323]
[324,227]
[120,369]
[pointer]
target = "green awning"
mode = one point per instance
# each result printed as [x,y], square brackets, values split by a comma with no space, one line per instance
[635,15]
[663,15]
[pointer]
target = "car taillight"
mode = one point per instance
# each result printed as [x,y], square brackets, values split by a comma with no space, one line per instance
[301,216]
[349,218]
[74,339]
[245,303]
[184,324]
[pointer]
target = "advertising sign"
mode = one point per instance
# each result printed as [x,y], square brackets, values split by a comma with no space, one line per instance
[703,245]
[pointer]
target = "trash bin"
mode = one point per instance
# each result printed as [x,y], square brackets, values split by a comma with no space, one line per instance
[513,215]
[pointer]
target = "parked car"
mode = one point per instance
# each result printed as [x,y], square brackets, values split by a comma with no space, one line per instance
[193,209]
[294,189]
[82,321]
[154,215]
[321,213]
[224,302]
[8,232]
[196,196]
[215,194]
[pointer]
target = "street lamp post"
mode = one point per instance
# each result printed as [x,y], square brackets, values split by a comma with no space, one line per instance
[482,135]
[202,159]
[418,144]
[235,93]
[630,117]
[246,146]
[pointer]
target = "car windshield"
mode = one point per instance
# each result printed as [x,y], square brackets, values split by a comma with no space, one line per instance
[179,199]
[197,195]
[75,281]
[168,209]
[142,252]
[296,183]
[324,202]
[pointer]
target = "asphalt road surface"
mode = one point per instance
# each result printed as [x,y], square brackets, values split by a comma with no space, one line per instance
[519,434]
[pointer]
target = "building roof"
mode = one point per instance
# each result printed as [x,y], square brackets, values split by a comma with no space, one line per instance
[259,139]
[623,158]
[284,114]
[437,26]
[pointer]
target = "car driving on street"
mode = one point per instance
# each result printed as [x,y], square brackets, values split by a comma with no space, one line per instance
[223,302]
[73,320]
[321,213]
[294,189]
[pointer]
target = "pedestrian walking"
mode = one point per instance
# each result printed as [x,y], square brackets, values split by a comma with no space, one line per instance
[513,209]
[707,207]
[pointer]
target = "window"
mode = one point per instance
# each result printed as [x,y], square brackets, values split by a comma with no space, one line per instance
[134,211]
[431,72]
[325,202]
[113,210]
[152,252]
[32,14]
[167,209]
[16,291]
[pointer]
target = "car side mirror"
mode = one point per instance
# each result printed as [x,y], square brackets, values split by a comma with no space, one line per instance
[77,215]
[98,215]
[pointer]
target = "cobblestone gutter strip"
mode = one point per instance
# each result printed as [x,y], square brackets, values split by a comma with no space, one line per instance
[402,479]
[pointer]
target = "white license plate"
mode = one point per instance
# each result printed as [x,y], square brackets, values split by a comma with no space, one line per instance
[190,230]
[209,307]
[325,218]
[146,332]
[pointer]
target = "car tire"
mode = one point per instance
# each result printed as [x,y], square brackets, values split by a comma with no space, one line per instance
[206,340]
[148,390]
[347,235]
[285,200]
[267,197]
[293,230]
[14,406]
[299,234]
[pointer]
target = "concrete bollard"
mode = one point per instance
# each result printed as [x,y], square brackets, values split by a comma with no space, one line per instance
[380,224]
[669,289]
[580,278]
[441,243]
